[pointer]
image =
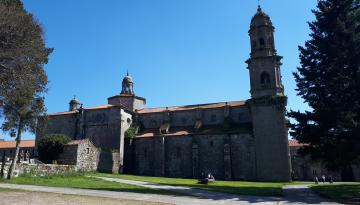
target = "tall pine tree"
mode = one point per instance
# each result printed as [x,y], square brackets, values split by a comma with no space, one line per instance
[23,80]
[329,82]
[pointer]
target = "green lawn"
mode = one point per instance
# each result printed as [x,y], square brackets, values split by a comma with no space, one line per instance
[231,187]
[84,182]
[343,192]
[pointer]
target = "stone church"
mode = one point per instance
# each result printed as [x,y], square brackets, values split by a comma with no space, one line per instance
[240,140]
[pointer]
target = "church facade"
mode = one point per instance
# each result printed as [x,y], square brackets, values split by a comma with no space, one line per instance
[240,140]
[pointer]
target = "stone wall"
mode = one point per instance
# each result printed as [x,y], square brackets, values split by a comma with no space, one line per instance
[187,118]
[102,126]
[87,156]
[130,102]
[40,169]
[109,161]
[81,153]
[59,124]
[226,156]
[271,139]
[305,169]
[356,171]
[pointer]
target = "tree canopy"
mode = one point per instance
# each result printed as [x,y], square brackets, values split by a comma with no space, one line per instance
[22,49]
[51,146]
[329,82]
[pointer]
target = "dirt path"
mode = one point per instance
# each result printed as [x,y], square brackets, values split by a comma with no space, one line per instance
[38,198]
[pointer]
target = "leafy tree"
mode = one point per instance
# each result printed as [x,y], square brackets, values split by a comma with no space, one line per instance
[51,146]
[22,76]
[132,131]
[329,81]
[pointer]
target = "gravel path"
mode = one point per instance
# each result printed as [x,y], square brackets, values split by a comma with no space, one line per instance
[293,195]
[39,198]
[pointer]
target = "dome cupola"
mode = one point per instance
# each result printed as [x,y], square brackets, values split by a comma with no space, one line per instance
[127,85]
[74,104]
[261,19]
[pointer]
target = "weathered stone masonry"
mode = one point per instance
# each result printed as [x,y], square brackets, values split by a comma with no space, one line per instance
[242,140]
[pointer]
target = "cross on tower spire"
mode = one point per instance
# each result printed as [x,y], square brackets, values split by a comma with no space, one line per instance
[259,7]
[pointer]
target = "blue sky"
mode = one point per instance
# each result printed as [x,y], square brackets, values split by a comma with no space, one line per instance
[178,51]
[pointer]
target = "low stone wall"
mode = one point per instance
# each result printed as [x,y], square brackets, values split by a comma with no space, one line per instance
[40,169]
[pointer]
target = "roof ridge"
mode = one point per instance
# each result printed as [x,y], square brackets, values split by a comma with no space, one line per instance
[194,105]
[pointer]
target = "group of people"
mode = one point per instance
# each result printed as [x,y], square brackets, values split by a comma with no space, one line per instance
[323,179]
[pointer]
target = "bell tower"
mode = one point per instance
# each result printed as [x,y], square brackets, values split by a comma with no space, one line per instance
[267,103]
[263,64]
[127,97]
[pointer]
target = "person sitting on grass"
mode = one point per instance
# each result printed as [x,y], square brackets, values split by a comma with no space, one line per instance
[207,179]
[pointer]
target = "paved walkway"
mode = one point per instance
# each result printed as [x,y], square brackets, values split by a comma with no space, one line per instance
[212,198]
[294,194]
[302,194]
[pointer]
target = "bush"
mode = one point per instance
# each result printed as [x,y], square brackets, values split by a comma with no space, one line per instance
[132,131]
[51,146]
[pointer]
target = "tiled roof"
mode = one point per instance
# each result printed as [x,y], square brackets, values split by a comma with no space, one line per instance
[85,108]
[156,133]
[12,144]
[191,107]
[99,107]
[295,143]
[76,142]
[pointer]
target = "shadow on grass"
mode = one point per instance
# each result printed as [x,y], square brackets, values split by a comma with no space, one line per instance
[250,192]
[343,193]
[253,191]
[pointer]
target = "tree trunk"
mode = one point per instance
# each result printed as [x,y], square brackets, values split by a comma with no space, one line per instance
[13,163]
[3,161]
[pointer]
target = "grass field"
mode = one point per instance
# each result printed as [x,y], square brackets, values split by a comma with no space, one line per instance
[231,187]
[347,192]
[84,182]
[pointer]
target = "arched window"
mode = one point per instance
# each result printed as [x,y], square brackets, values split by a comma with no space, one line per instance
[265,79]
[262,42]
